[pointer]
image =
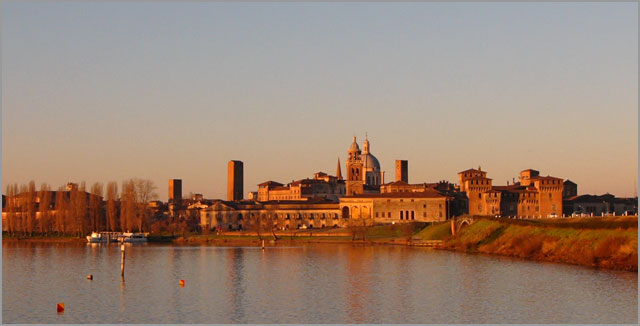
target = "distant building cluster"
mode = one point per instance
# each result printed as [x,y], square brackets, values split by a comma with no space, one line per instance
[363,198]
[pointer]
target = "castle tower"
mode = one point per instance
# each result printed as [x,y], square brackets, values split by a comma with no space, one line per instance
[235,180]
[355,177]
[402,170]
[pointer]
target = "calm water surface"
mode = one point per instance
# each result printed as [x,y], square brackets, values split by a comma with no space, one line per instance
[305,284]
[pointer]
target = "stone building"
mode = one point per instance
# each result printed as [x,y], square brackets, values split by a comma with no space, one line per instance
[534,196]
[600,204]
[278,214]
[322,185]
[426,206]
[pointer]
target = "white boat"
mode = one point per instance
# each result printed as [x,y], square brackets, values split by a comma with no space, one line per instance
[98,237]
[133,237]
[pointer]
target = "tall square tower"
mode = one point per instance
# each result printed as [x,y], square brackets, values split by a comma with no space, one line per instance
[235,180]
[402,170]
[175,190]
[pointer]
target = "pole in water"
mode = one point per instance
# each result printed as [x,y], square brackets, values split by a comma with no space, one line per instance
[122,261]
[262,244]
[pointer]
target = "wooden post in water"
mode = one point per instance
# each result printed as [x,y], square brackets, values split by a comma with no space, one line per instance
[262,244]
[122,261]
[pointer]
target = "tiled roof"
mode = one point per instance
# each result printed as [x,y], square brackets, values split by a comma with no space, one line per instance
[546,178]
[420,194]
[397,183]
[270,184]
[471,170]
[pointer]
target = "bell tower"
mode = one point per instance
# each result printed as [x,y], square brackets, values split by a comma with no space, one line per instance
[355,178]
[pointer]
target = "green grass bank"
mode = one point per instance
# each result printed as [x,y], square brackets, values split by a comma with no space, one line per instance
[610,242]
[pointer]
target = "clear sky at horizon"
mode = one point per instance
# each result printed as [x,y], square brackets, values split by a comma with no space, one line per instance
[98,91]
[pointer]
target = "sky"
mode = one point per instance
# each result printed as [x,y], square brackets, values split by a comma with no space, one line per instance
[99,92]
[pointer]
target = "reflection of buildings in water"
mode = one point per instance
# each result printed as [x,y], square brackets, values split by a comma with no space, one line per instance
[235,280]
[403,274]
[359,287]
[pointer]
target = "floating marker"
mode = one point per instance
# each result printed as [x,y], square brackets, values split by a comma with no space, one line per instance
[60,307]
[89,277]
[182,283]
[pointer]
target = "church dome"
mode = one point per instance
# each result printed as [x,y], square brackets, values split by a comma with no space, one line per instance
[370,161]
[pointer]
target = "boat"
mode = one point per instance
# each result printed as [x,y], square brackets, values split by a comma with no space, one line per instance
[99,237]
[133,237]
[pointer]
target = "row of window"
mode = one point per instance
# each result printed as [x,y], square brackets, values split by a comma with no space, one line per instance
[404,215]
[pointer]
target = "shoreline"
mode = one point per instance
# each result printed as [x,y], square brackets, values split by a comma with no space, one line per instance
[605,243]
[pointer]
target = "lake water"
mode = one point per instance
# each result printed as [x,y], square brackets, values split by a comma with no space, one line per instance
[303,284]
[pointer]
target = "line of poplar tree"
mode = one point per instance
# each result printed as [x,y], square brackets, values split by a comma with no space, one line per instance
[74,211]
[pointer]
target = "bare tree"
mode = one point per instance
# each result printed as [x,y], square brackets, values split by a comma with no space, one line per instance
[95,204]
[45,208]
[145,191]
[112,211]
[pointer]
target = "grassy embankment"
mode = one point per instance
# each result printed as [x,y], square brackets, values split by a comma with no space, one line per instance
[610,242]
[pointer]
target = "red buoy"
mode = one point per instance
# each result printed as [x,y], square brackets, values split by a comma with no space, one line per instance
[60,307]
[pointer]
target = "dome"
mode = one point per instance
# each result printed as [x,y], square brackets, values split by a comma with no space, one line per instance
[354,146]
[370,161]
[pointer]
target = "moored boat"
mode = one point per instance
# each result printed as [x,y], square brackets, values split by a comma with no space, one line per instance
[100,237]
[133,237]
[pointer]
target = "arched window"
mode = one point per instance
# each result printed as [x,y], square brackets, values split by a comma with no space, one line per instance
[401,214]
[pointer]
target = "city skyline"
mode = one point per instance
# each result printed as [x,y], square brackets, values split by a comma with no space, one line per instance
[162,91]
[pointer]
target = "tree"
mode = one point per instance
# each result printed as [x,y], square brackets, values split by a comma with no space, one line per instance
[78,200]
[45,209]
[145,191]
[12,209]
[128,209]
[62,211]
[30,204]
[112,211]
[95,204]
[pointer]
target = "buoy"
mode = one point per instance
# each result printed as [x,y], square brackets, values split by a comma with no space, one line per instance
[60,307]
[182,283]
[89,277]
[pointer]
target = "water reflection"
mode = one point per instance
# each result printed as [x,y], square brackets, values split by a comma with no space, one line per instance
[235,263]
[305,284]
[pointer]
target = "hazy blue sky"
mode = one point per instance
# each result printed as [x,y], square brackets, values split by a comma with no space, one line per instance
[107,91]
